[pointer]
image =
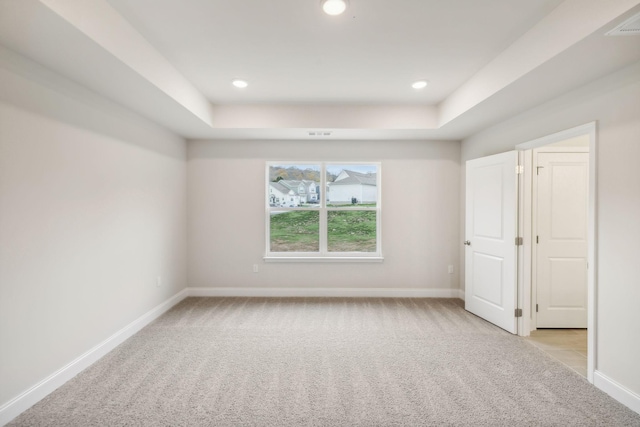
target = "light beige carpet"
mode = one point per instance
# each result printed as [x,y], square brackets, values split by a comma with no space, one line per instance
[326,362]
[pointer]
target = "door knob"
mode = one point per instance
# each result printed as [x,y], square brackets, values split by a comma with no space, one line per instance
[467,243]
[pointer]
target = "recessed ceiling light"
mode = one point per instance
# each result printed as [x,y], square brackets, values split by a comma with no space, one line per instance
[240,83]
[334,7]
[420,84]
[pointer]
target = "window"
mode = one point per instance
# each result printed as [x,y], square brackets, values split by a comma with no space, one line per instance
[323,211]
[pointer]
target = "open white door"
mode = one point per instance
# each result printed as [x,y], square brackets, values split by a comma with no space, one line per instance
[491,231]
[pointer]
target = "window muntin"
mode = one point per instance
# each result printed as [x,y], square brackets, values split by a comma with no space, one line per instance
[303,221]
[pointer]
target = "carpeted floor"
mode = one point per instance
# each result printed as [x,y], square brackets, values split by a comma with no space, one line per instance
[326,362]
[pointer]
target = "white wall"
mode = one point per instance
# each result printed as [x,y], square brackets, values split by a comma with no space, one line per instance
[614,102]
[420,234]
[92,210]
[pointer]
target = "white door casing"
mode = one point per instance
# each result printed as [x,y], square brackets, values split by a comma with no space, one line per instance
[491,229]
[561,247]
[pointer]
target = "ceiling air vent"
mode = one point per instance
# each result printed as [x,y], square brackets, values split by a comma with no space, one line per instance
[319,133]
[628,28]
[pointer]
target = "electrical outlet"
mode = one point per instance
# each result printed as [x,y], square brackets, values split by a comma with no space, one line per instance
[255,268]
[158,281]
[451,269]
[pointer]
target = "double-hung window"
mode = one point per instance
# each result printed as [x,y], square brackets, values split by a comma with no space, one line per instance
[323,211]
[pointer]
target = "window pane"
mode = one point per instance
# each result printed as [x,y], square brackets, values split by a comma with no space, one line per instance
[352,185]
[295,231]
[351,231]
[294,186]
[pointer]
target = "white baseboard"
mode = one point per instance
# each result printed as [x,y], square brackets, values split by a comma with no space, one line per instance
[326,292]
[30,397]
[617,391]
[461,294]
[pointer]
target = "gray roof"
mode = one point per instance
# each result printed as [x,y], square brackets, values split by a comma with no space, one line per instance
[357,178]
[294,184]
[290,183]
[281,188]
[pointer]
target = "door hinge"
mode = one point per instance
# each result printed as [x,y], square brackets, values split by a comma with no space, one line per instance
[519,169]
[518,312]
[537,239]
[536,308]
[519,241]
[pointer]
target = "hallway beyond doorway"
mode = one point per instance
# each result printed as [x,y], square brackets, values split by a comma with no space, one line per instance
[569,346]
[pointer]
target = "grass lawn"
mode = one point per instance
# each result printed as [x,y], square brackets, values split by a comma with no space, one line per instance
[351,231]
[295,231]
[348,231]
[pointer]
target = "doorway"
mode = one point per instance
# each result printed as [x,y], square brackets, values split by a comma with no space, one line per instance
[559,267]
[557,281]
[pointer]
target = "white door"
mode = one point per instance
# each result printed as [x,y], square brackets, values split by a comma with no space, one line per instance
[491,228]
[561,249]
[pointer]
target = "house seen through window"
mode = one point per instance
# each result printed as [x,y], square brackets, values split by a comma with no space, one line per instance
[323,209]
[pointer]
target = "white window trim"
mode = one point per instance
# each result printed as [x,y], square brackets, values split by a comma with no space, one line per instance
[324,255]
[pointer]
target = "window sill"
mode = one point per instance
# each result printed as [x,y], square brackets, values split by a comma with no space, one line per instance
[354,259]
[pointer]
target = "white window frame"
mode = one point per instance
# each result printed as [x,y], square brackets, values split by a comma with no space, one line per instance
[323,255]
